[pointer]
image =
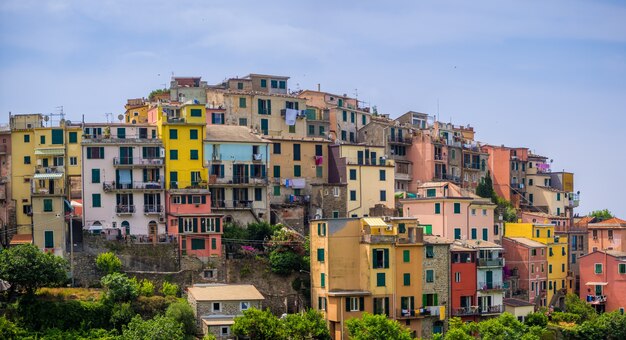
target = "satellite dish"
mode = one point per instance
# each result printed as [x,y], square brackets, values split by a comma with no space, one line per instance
[46,118]
[120,117]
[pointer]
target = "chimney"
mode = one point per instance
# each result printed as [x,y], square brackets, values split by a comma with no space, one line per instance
[318,87]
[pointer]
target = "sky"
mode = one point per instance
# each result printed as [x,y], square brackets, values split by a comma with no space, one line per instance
[547,75]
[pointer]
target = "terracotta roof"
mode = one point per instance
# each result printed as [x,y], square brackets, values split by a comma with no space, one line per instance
[610,223]
[527,242]
[480,244]
[21,239]
[222,292]
[231,133]
[436,240]
[584,221]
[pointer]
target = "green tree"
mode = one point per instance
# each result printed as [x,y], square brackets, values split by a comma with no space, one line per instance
[155,93]
[284,261]
[505,208]
[485,187]
[119,287]
[536,319]
[307,325]
[611,326]
[9,330]
[158,328]
[258,324]
[108,263]
[504,327]
[169,289]
[182,313]
[601,215]
[375,327]
[121,314]
[574,305]
[146,288]
[26,268]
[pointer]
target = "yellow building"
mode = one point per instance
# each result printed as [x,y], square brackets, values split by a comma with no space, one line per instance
[304,160]
[46,161]
[136,111]
[369,176]
[366,265]
[558,275]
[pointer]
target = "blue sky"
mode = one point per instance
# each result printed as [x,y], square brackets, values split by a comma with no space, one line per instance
[550,76]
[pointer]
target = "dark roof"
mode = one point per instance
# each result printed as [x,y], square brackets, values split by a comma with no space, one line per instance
[517,302]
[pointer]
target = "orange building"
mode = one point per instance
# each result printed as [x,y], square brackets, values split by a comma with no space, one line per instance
[508,171]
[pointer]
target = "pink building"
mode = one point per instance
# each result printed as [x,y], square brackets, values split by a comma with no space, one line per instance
[446,210]
[189,215]
[607,235]
[603,280]
[7,207]
[508,171]
[429,155]
[526,269]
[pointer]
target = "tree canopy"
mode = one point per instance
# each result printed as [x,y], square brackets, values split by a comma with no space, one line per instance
[158,328]
[374,327]
[601,215]
[108,263]
[259,324]
[26,268]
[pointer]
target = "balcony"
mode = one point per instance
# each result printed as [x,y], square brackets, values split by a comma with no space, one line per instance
[49,169]
[41,191]
[134,186]
[231,204]
[378,239]
[517,186]
[471,148]
[439,157]
[175,120]
[596,299]
[497,309]
[406,314]
[121,162]
[447,177]
[238,180]
[152,209]
[574,200]
[193,185]
[471,166]
[465,311]
[399,140]
[499,262]
[486,286]
[125,209]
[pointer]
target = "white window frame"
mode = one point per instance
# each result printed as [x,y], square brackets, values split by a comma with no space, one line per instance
[176,199]
[457,277]
[196,199]
[241,305]
[210,225]
[187,225]
[213,306]
[322,305]
[354,304]
[336,191]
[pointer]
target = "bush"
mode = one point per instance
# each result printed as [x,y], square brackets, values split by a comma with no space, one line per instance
[536,319]
[108,263]
[27,268]
[9,330]
[120,288]
[169,289]
[558,317]
[146,288]
[121,315]
[182,312]
[36,315]
[284,262]
[159,328]
[149,307]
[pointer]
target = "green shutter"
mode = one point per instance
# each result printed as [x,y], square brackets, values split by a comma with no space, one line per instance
[269,107]
[437,208]
[428,229]
[436,300]
[57,136]
[406,255]
[424,299]
[47,205]
[198,244]
[401,228]
[96,200]
[73,137]
[218,222]
[457,208]
[407,279]
[386,252]
[320,254]
[195,225]
[48,239]
[196,112]
[277,171]
[213,243]
[203,225]
[180,225]
[323,280]
[319,229]
[380,279]
[347,304]
[457,233]
[362,303]
[95,175]
[297,171]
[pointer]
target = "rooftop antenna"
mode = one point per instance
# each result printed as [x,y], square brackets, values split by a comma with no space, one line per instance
[437,109]
[109,116]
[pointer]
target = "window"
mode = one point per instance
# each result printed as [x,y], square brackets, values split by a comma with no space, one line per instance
[320,254]
[197,243]
[42,139]
[380,258]
[610,234]
[297,171]
[73,161]
[364,120]
[73,137]
[322,280]
[321,229]
[551,252]
[277,190]
[621,269]
[244,305]
[196,112]
[311,129]
[383,195]
[563,267]
[173,134]
[343,135]
[48,239]
[321,303]
[47,205]
[319,171]
[485,234]
[292,129]
[430,252]
[243,121]
[352,139]
[258,194]
[193,154]
[558,196]
[598,267]
[431,192]
[530,182]
[380,279]
[473,212]
[276,171]
[457,233]
[355,304]
[457,208]
[335,214]
[352,117]
[401,228]
[276,147]
[282,84]
[345,116]
[96,200]
[26,138]
[437,208]
[382,175]
[457,277]
[430,275]
[484,212]
[95,175]
[548,232]
[296,152]
[121,133]
[533,252]
[473,233]
[573,258]
[406,255]
[26,159]
[217,307]
[225,330]
[264,107]
[274,83]
[406,278]
[173,154]
[263,82]
[550,268]
[193,134]
[242,102]
[352,195]
[353,174]
[322,131]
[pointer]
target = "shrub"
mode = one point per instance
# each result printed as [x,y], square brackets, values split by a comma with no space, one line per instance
[37,315]
[536,319]
[159,328]
[149,307]
[284,262]
[146,288]
[121,315]
[119,287]
[108,263]
[558,317]
[182,312]
[169,289]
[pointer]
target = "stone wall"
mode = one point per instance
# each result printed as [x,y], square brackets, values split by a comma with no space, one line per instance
[324,201]
[291,215]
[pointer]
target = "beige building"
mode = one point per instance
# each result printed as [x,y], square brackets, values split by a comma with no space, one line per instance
[368,174]
[216,306]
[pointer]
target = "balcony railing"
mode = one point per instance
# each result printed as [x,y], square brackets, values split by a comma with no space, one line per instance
[189,185]
[439,157]
[113,186]
[175,119]
[463,311]
[364,161]
[406,313]
[472,166]
[378,239]
[490,286]
[152,209]
[125,209]
[47,191]
[231,204]
[399,139]
[492,309]
[499,262]
[237,180]
[596,299]
[49,169]
[130,161]
[447,177]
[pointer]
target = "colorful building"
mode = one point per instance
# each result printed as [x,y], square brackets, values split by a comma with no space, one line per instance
[489,276]
[463,286]
[508,172]
[560,280]
[449,211]
[124,181]
[603,280]
[435,285]
[7,205]
[368,265]
[527,269]
[607,235]
[237,162]
[368,174]
[136,111]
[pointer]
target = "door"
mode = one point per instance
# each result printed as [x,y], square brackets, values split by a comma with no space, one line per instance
[264,126]
[359,157]
[51,186]
[489,279]
[44,162]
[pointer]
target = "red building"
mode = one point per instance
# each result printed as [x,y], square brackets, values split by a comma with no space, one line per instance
[526,269]
[189,215]
[603,280]
[463,286]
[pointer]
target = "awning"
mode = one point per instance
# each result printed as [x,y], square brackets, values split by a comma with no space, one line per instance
[349,293]
[596,283]
[374,221]
[47,176]
[21,239]
[221,322]
[50,152]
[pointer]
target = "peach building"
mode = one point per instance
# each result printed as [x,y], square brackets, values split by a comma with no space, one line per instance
[446,210]
[508,171]
[527,268]
[607,235]
[603,276]
[429,156]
